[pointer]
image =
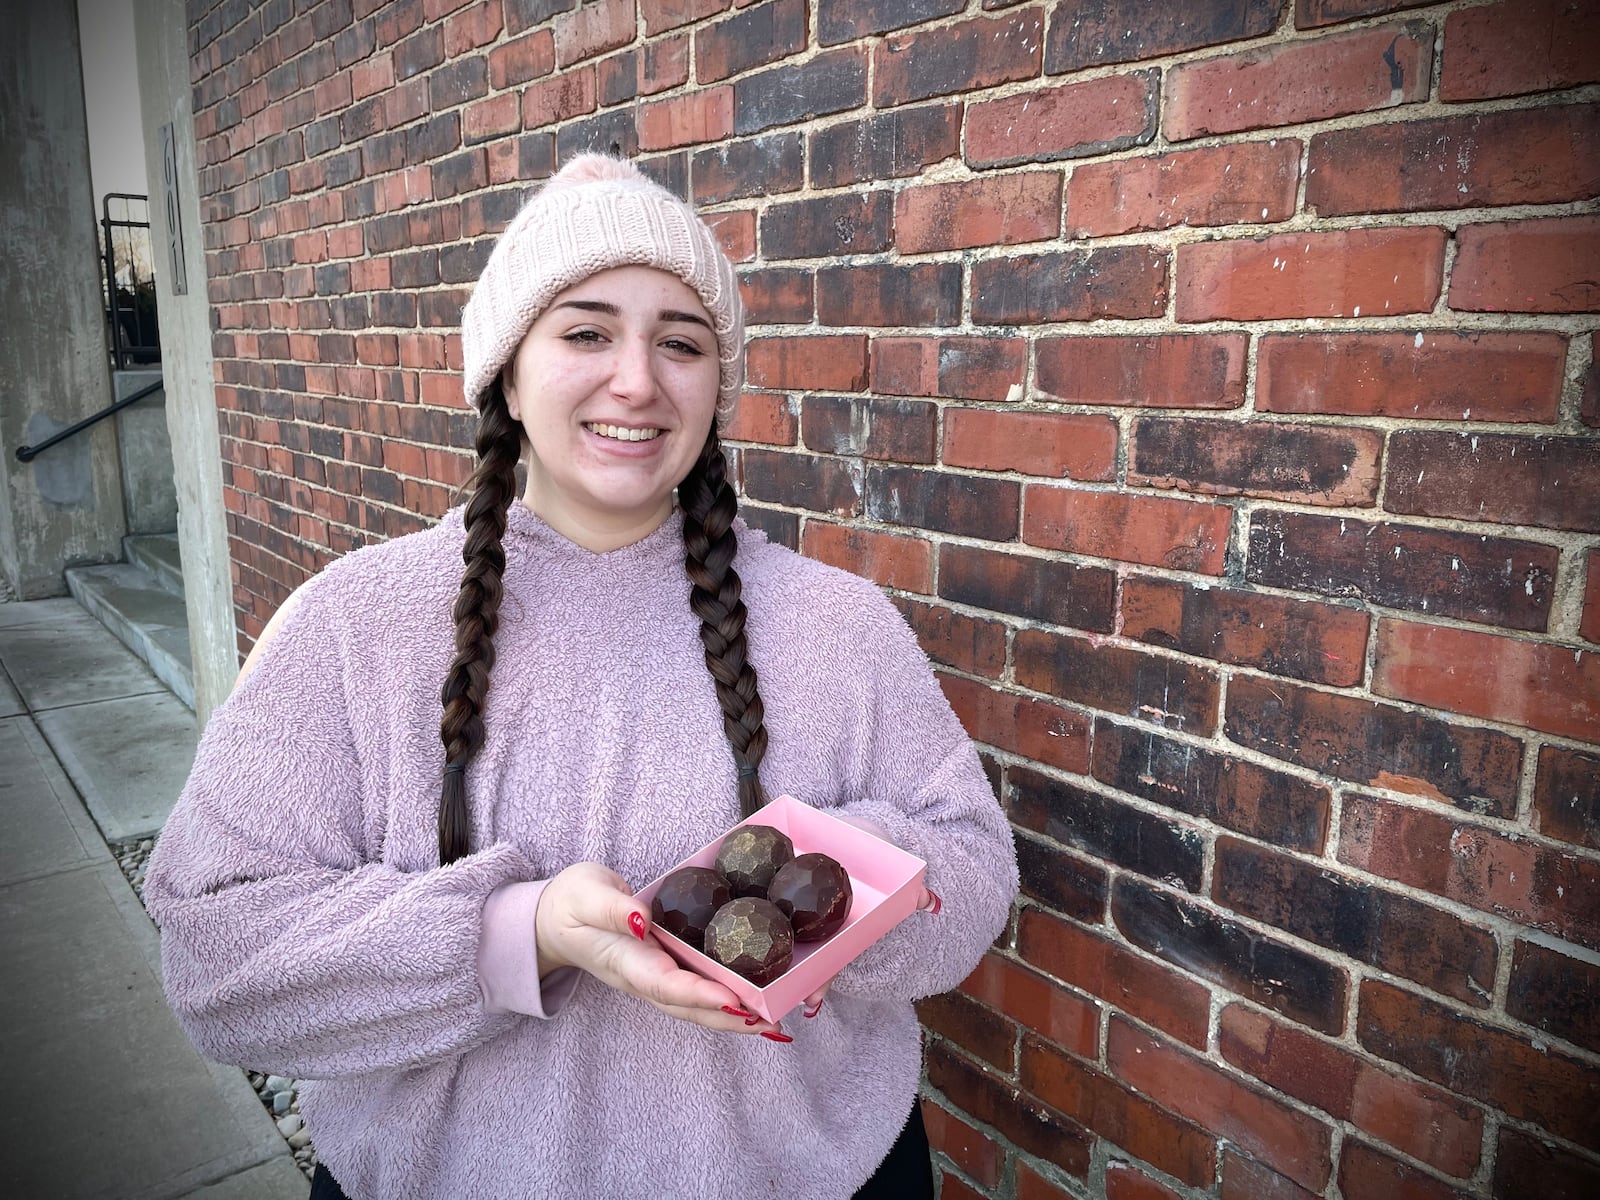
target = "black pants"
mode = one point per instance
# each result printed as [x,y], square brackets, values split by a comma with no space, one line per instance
[906,1174]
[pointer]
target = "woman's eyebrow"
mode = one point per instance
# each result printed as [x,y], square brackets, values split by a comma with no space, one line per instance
[673,314]
[611,310]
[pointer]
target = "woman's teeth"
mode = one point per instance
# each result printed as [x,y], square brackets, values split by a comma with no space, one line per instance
[618,433]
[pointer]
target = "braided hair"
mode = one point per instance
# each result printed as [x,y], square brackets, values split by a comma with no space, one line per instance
[709,506]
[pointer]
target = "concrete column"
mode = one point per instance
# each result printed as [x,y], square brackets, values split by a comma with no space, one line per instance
[65,507]
[162,40]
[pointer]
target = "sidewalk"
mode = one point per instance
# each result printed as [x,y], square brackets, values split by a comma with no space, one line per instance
[104,1096]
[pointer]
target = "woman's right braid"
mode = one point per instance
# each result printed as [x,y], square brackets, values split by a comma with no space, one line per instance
[709,505]
[477,615]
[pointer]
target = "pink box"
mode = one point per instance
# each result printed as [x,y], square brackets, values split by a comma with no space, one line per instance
[885,882]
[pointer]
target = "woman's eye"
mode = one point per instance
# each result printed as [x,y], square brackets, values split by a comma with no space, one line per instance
[582,336]
[678,345]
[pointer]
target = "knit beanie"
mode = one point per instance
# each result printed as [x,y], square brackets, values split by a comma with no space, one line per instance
[596,213]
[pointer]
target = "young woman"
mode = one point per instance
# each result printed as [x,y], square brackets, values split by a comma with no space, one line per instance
[431,921]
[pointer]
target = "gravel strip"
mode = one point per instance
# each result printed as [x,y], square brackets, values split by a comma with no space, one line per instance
[279,1095]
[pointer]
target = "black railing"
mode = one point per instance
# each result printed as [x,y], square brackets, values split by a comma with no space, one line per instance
[28,453]
[130,285]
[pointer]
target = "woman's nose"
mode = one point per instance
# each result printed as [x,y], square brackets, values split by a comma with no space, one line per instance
[633,373]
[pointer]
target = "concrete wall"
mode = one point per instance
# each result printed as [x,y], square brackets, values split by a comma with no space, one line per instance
[66,506]
[149,494]
[186,352]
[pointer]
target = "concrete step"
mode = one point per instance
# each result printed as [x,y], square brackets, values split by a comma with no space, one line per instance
[158,554]
[144,615]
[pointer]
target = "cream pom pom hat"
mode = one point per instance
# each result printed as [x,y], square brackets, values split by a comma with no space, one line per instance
[596,213]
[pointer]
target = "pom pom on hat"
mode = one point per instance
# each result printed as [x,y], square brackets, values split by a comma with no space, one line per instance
[596,213]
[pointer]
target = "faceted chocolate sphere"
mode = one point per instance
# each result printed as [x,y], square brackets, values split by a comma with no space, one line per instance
[751,855]
[752,937]
[813,891]
[687,900]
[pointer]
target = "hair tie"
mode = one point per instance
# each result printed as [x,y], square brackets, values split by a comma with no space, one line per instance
[746,771]
[455,768]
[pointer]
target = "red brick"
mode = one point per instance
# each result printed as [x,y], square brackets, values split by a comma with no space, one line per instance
[1589,625]
[663,64]
[1040,589]
[1113,31]
[1557,993]
[1245,1179]
[1501,478]
[1282,1137]
[1023,1121]
[1033,1186]
[823,363]
[925,295]
[758,417]
[1343,273]
[788,94]
[762,166]
[1519,46]
[1239,184]
[977,53]
[1048,1009]
[974,506]
[1566,796]
[1527,266]
[491,118]
[1139,986]
[1118,1114]
[593,28]
[1322,465]
[568,95]
[1180,535]
[1355,739]
[967,643]
[891,430]
[974,1152]
[957,1188]
[1443,572]
[1367,1174]
[845,20]
[754,38]
[821,484]
[965,368]
[977,1029]
[1077,120]
[1118,680]
[1057,445]
[1310,14]
[1111,281]
[1156,371]
[476,27]
[735,232]
[1033,728]
[1526,1080]
[778,296]
[1309,80]
[685,120]
[888,559]
[1126,1182]
[1509,875]
[999,211]
[1431,375]
[1525,156]
[660,15]
[1320,643]
[1538,685]
[1534,1168]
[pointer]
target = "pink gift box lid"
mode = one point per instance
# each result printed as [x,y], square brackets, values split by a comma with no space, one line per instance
[885,881]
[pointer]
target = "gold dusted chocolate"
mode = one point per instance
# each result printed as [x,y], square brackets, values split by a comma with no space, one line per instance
[750,936]
[687,900]
[750,856]
[814,892]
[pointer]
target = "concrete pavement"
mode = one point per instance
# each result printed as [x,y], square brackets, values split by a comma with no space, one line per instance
[104,1096]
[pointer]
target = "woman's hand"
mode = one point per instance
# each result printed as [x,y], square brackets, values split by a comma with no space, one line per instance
[587,918]
[928,902]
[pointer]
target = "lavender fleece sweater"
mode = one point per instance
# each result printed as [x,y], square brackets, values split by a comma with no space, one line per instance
[308,930]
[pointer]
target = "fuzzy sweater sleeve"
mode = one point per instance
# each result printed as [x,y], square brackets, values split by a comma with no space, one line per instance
[287,945]
[924,788]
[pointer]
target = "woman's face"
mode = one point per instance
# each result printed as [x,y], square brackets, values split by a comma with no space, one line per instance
[615,386]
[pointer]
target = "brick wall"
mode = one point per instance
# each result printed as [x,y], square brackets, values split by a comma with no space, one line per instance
[1211,383]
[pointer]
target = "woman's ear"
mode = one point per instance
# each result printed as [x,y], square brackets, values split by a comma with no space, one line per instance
[508,389]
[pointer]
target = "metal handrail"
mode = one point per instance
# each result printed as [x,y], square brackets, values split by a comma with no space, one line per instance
[28,453]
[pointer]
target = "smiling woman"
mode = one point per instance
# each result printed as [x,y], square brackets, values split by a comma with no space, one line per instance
[429,917]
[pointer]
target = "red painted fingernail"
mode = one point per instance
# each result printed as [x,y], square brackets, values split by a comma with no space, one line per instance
[937,903]
[738,1012]
[773,1035]
[814,1011]
[636,923]
[752,1019]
